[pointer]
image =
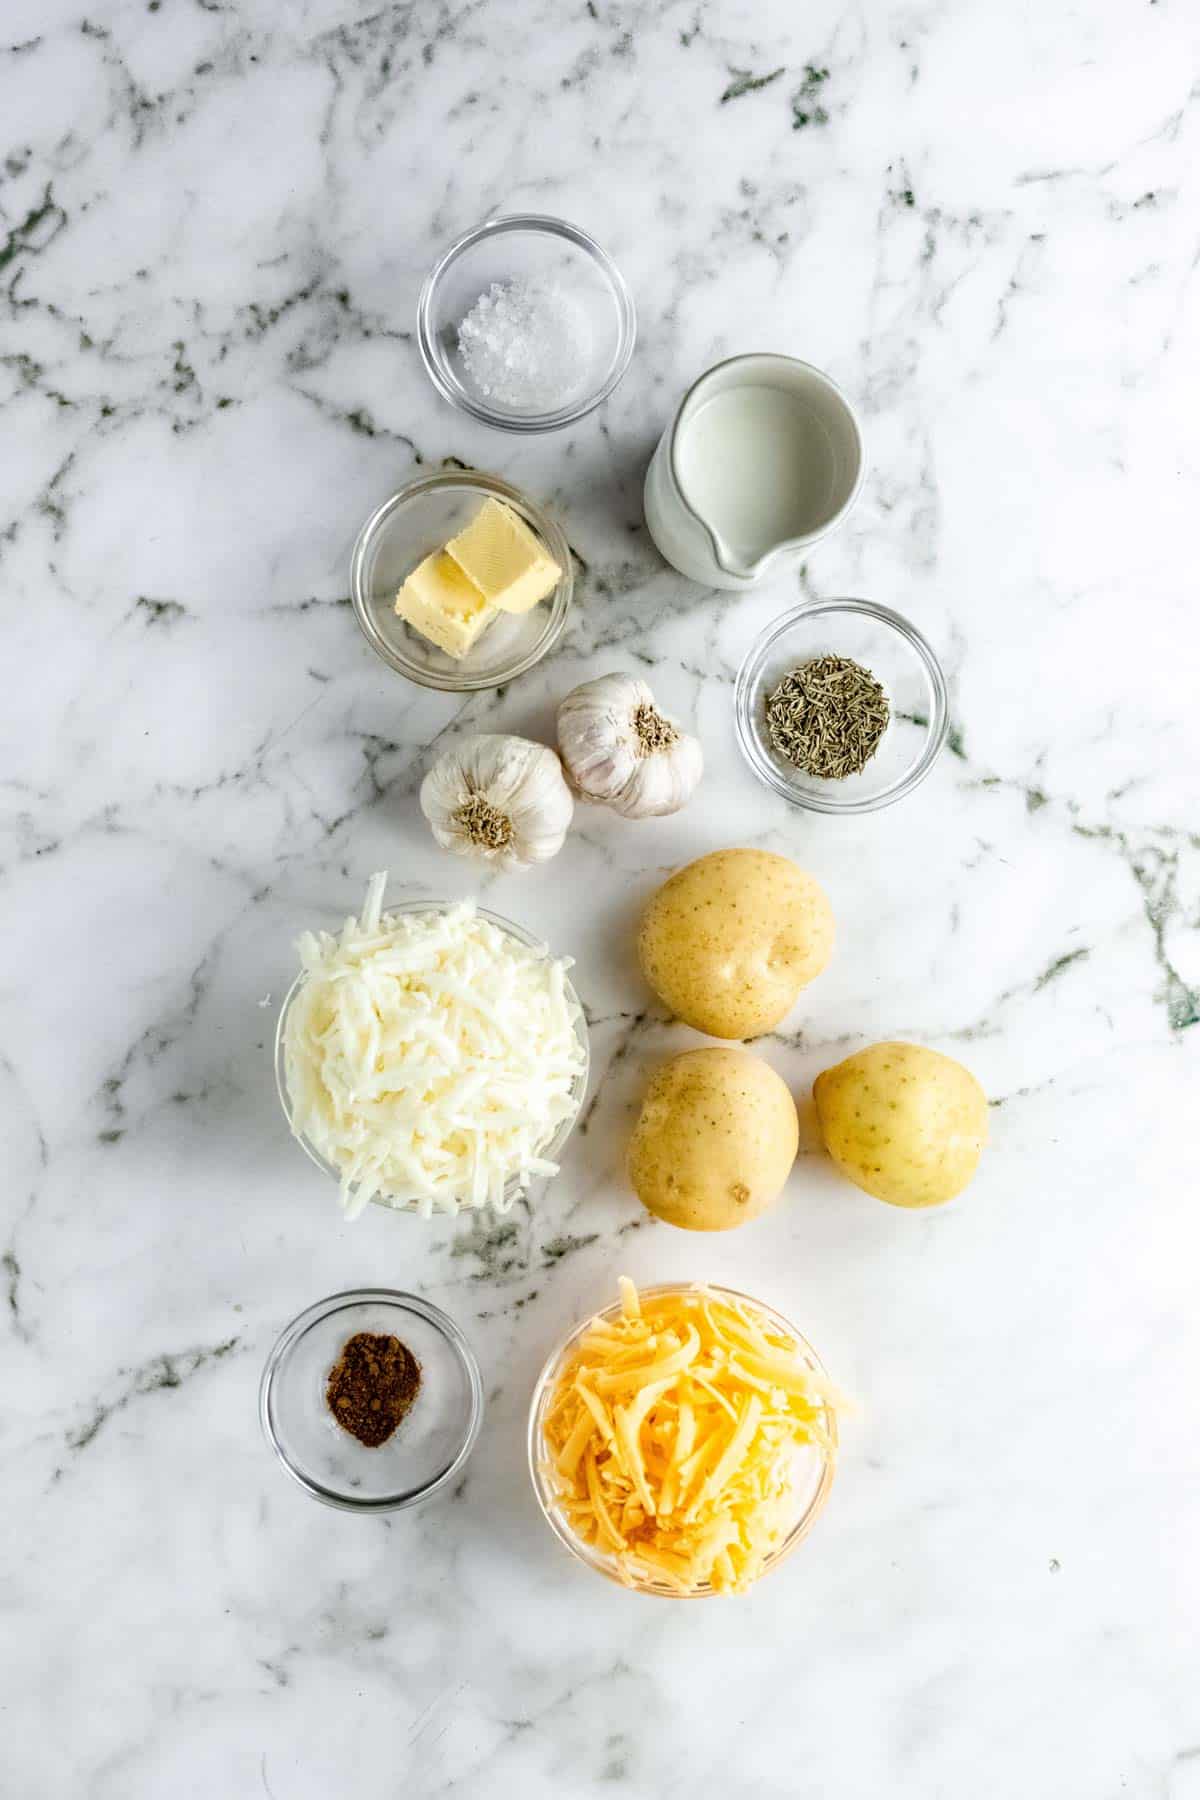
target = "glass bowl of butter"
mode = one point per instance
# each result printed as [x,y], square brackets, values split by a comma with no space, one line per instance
[460,582]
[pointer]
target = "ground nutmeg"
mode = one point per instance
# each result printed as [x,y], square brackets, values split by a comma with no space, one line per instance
[372,1385]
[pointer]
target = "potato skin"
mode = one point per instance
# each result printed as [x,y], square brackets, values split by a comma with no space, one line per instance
[905,1123]
[715,1140]
[728,941]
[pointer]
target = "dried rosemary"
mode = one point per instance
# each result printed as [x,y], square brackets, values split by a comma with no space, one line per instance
[827,717]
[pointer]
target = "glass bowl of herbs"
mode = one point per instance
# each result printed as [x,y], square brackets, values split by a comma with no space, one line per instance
[841,706]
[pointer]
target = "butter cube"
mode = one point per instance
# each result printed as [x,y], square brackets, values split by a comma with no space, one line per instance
[441,603]
[508,562]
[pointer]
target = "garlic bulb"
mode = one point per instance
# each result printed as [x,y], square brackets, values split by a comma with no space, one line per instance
[622,752]
[499,798]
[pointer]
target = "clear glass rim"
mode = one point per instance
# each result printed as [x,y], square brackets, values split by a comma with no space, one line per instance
[750,739]
[290,1336]
[588,1553]
[551,1150]
[470,481]
[455,393]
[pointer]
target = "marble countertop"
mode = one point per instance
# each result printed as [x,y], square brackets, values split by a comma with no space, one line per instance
[214,219]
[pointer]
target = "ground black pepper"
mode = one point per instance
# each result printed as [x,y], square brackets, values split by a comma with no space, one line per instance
[372,1385]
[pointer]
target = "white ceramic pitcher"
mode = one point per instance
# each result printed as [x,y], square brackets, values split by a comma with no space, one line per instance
[763,457]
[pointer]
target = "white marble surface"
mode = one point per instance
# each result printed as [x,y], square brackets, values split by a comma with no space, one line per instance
[215,215]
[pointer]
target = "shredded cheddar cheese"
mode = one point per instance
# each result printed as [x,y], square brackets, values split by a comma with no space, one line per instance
[673,1432]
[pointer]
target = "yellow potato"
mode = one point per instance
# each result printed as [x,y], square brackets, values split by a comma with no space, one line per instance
[728,942]
[715,1141]
[903,1122]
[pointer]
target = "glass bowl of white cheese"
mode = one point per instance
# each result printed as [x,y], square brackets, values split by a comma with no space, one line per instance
[450,1076]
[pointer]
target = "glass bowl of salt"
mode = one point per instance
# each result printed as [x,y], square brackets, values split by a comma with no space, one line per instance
[526,323]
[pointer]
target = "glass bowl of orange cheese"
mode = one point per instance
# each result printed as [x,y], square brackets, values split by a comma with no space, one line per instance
[683,1441]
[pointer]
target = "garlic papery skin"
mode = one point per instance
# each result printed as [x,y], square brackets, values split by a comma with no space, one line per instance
[502,799]
[620,751]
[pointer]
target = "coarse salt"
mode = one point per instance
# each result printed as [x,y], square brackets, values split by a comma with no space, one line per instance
[526,345]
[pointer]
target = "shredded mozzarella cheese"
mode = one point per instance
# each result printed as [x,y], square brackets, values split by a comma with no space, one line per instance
[430,1057]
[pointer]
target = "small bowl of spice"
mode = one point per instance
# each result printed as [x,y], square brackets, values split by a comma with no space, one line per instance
[526,323]
[841,706]
[683,1441]
[372,1400]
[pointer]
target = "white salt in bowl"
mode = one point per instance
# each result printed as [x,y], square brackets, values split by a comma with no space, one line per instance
[590,310]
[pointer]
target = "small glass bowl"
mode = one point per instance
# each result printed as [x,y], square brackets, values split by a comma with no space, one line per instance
[895,653]
[431,1443]
[814,1475]
[518,246]
[421,518]
[403,1202]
